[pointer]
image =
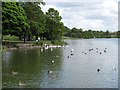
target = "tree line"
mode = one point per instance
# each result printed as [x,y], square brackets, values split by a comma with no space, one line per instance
[80,33]
[27,20]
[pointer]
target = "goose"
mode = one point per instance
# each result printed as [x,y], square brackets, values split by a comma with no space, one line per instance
[105,51]
[98,70]
[14,73]
[96,48]
[50,72]
[89,49]
[68,57]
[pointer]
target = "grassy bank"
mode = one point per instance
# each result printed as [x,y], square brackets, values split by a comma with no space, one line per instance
[10,38]
[13,42]
[64,37]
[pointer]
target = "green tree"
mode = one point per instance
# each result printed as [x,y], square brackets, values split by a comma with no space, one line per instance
[66,31]
[36,18]
[14,20]
[118,34]
[107,34]
[53,25]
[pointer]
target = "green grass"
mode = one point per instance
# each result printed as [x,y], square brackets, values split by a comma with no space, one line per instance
[41,42]
[10,38]
[64,37]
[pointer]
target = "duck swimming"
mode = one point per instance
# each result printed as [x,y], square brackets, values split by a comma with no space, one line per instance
[98,70]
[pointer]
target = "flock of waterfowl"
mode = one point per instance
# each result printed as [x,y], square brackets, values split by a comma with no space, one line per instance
[97,51]
[20,83]
[71,54]
[50,46]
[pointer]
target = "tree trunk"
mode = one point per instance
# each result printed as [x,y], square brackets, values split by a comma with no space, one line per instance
[36,38]
[24,37]
[29,37]
[20,37]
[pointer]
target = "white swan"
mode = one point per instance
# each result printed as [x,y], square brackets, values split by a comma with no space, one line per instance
[46,47]
[53,61]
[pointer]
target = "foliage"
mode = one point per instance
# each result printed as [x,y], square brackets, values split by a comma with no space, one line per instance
[80,33]
[14,19]
[118,34]
[53,25]
[58,42]
[11,38]
[36,18]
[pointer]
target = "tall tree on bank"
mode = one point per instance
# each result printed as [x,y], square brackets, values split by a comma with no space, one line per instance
[14,20]
[36,18]
[53,25]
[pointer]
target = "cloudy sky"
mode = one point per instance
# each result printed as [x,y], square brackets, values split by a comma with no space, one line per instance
[92,14]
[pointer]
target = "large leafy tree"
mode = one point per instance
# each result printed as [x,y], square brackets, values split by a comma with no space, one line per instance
[118,34]
[36,18]
[53,25]
[66,31]
[14,20]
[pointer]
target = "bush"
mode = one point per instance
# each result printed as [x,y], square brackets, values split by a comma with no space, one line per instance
[39,43]
[36,43]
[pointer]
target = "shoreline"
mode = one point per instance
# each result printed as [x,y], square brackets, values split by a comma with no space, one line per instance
[29,46]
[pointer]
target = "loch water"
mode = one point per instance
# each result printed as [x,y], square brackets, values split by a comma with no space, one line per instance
[73,66]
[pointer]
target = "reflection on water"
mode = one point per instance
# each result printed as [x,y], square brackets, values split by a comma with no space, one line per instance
[60,69]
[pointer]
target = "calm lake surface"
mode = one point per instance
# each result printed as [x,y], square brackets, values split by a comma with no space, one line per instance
[76,71]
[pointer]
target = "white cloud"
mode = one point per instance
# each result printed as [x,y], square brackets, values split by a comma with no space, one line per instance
[95,14]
